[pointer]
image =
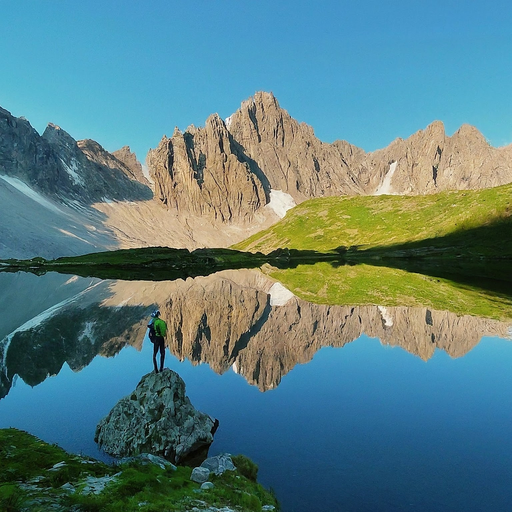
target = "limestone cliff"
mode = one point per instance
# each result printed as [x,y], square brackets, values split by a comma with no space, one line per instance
[131,162]
[429,161]
[226,170]
[202,172]
[289,154]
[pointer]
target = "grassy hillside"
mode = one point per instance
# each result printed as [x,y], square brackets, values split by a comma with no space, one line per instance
[476,222]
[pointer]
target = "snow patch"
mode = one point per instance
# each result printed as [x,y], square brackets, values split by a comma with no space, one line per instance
[68,233]
[388,319]
[87,332]
[385,186]
[145,172]
[280,202]
[32,194]
[279,295]
[235,367]
[228,121]
[72,169]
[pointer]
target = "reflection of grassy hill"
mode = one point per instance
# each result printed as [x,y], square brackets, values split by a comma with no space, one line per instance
[450,238]
[366,284]
[473,222]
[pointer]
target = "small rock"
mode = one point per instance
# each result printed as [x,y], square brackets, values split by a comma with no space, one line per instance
[219,464]
[68,487]
[96,485]
[268,508]
[148,458]
[57,466]
[200,475]
[207,485]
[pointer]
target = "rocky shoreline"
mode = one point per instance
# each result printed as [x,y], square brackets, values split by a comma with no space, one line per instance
[37,476]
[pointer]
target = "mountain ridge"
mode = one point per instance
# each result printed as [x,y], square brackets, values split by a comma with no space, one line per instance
[218,184]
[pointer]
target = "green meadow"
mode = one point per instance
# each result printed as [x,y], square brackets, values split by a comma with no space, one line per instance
[468,222]
[449,251]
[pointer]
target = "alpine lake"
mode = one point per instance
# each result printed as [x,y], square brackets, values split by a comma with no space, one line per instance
[400,405]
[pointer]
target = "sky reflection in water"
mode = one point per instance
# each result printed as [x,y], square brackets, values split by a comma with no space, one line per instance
[363,427]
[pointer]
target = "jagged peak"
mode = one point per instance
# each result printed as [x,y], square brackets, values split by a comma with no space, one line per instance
[125,149]
[470,132]
[55,134]
[216,123]
[260,98]
[90,144]
[435,126]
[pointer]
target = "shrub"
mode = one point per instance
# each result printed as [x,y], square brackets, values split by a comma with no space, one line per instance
[246,467]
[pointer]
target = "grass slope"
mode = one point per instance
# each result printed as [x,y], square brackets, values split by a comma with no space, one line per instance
[450,218]
[437,251]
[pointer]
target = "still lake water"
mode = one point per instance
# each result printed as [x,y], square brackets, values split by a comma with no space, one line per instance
[343,408]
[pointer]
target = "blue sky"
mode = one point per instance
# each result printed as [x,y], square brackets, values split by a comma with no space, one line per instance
[128,72]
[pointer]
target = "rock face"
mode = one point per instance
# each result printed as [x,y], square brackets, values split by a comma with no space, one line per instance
[56,165]
[429,161]
[129,159]
[203,172]
[261,147]
[156,418]
[289,154]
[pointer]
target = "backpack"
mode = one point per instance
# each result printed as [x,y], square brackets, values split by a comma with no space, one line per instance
[152,332]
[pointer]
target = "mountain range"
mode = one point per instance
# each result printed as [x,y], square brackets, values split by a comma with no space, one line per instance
[214,185]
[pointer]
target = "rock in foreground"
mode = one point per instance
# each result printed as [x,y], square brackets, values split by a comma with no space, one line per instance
[157,418]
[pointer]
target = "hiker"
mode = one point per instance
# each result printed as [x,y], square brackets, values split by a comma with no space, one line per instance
[157,331]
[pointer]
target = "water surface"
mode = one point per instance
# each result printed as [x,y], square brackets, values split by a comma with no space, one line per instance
[342,407]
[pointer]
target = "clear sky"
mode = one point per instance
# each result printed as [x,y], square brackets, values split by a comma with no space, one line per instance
[367,71]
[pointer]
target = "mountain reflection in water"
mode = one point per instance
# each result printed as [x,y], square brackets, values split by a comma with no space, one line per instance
[361,428]
[235,319]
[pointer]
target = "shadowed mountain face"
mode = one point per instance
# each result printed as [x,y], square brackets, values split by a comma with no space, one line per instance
[234,319]
[56,165]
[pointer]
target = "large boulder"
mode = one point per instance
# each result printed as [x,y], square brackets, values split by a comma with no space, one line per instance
[157,418]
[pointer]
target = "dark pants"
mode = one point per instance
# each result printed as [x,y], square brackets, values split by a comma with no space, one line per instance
[159,345]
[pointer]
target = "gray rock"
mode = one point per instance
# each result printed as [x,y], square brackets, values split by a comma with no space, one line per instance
[200,475]
[207,485]
[148,458]
[95,485]
[219,464]
[156,418]
[68,487]
[267,508]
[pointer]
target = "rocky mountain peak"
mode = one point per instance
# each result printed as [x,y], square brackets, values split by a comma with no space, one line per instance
[56,135]
[128,158]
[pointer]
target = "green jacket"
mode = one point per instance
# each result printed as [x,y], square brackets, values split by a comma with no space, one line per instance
[160,327]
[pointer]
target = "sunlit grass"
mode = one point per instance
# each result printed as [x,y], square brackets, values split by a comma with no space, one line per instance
[373,221]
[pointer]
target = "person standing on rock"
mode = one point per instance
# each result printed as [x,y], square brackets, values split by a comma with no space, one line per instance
[159,339]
